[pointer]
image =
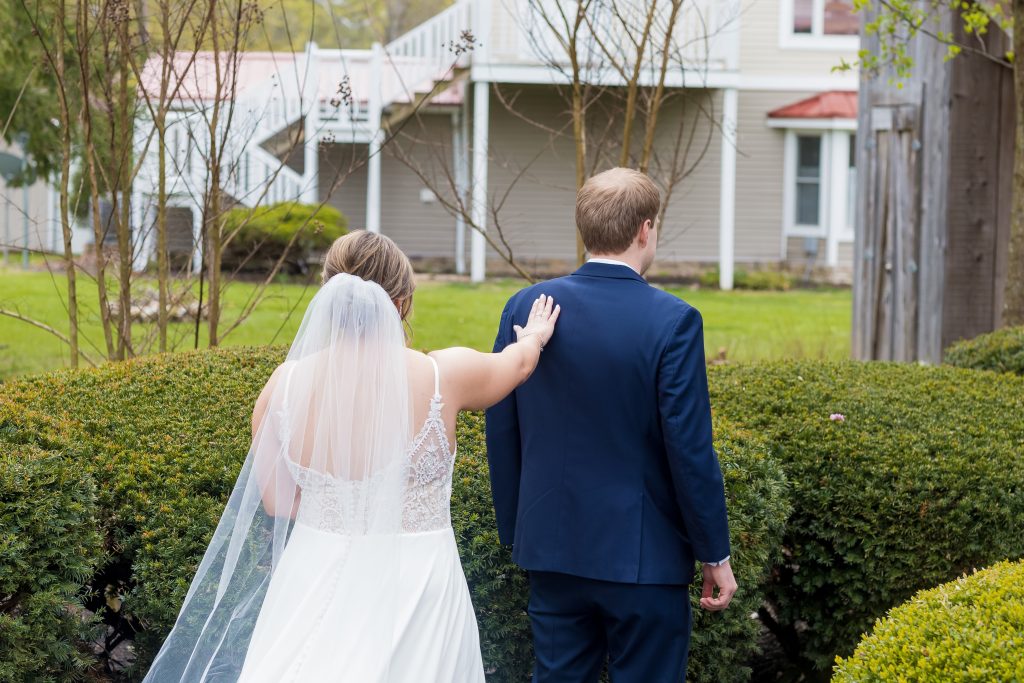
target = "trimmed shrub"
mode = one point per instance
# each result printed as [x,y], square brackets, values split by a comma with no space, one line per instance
[758,280]
[49,548]
[262,234]
[166,436]
[1000,351]
[901,477]
[967,630]
[722,642]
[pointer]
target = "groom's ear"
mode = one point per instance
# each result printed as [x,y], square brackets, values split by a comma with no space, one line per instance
[644,235]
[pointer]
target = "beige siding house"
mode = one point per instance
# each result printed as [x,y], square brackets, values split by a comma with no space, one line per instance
[26,218]
[487,158]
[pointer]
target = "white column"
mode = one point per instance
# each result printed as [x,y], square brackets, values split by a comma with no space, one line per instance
[839,166]
[311,127]
[140,230]
[460,133]
[51,222]
[197,233]
[727,192]
[377,135]
[481,121]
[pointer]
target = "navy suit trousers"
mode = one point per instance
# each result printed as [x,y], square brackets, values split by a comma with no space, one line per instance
[642,630]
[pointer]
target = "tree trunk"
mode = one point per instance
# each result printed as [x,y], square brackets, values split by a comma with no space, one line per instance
[99,231]
[162,257]
[579,131]
[65,176]
[213,249]
[1013,306]
[123,187]
[211,218]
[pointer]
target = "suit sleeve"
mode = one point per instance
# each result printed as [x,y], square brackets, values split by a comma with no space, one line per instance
[685,411]
[503,445]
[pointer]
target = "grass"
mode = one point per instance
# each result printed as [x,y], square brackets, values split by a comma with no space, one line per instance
[740,325]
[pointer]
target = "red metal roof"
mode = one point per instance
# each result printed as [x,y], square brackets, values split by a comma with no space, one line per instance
[835,104]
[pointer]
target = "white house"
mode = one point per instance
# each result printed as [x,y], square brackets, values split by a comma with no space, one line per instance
[474,127]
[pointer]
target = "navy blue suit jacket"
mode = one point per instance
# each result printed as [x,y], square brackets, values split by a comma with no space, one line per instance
[602,464]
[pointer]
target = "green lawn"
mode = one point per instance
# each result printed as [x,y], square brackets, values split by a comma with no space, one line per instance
[746,325]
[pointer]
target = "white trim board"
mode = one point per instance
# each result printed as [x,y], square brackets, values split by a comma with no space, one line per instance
[525,74]
[812,124]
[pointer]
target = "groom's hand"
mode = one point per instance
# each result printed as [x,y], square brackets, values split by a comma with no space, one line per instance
[719,577]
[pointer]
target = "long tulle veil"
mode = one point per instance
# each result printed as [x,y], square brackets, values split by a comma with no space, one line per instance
[338,409]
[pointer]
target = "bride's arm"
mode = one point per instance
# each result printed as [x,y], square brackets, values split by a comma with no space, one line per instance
[476,381]
[271,472]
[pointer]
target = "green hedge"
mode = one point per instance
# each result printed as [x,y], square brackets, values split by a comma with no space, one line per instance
[167,435]
[965,631]
[49,549]
[1001,351]
[758,280]
[259,236]
[921,480]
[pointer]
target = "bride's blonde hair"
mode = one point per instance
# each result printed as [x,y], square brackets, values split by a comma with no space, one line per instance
[374,257]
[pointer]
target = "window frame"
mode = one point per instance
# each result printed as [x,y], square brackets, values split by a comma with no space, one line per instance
[817,39]
[789,195]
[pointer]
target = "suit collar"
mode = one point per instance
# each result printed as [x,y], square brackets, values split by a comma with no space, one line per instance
[609,270]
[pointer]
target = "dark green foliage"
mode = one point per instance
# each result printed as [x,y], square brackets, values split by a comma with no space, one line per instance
[721,643]
[758,280]
[1000,351]
[49,548]
[258,237]
[967,630]
[757,496]
[924,480]
[165,436]
[499,587]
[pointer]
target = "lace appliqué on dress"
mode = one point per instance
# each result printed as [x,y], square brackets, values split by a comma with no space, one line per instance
[331,504]
[426,505]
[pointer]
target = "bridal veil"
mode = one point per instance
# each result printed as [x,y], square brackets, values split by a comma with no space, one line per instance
[338,410]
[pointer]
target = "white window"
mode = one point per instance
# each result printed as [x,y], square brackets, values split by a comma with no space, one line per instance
[818,24]
[805,198]
[807,182]
[851,185]
[819,185]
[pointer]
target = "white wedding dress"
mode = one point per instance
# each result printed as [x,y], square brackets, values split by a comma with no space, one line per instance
[335,611]
[364,585]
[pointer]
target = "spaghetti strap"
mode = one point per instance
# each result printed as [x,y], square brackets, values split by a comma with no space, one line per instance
[287,385]
[437,379]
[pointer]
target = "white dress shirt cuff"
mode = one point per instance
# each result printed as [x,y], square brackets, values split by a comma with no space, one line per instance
[719,563]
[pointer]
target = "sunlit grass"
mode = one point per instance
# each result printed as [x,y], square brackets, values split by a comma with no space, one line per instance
[741,326]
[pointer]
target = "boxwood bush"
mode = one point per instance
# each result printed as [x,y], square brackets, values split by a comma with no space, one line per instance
[901,476]
[261,235]
[967,630]
[758,280]
[165,437]
[1001,351]
[49,548]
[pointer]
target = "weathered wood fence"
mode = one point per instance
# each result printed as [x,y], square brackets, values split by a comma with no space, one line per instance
[934,161]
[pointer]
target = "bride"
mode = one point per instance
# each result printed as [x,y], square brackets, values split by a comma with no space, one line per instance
[335,558]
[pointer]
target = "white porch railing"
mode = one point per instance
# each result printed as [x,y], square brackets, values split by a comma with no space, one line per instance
[427,54]
[700,40]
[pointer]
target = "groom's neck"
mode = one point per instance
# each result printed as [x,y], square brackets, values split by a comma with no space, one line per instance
[630,258]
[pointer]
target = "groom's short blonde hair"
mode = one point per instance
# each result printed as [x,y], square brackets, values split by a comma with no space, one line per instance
[612,206]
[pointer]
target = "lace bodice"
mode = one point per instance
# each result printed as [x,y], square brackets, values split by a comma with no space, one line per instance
[332,504]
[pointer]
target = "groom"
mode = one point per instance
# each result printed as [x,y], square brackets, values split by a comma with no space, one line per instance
[604,477]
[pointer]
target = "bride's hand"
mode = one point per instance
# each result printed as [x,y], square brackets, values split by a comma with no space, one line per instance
[541,322]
